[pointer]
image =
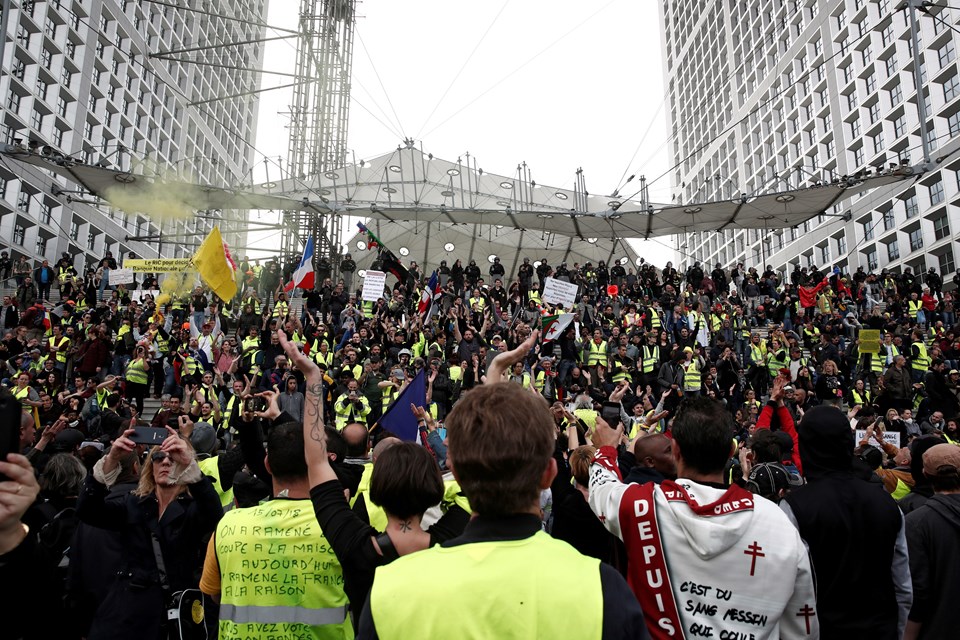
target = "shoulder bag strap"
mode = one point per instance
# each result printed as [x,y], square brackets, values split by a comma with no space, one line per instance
[161,566]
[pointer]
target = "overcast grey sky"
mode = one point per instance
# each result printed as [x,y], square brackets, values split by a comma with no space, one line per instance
[557,84]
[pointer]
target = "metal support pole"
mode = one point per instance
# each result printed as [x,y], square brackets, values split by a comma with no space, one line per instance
[917,77]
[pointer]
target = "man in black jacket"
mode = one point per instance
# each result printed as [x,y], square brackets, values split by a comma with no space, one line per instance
[855,534]
[932,532]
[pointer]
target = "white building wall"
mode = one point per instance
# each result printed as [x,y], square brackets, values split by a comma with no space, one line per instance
[77,75]
[770,95]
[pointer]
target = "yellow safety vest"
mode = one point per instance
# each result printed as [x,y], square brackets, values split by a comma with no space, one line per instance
[618,373]
[862,400]
[210,467]
[597,353]
[536,577]
[280,576]
[651,357]
[190,366]
[21,394]
[136,372]
[250,342]
[61,348]
[254,304]
[375,513]
[655,322]
[922,361]
[758,354]
[455,373]
[776,362]
[691,376]
[901,490]
[326,360]
[228,413]
[914,307]
[280,309]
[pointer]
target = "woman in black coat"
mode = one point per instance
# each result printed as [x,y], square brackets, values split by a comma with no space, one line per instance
[175,502]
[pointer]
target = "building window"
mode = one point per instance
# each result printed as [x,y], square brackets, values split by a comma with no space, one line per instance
[825,254]
[899,126]
[916,239]
[893,251]
[946,262]
[46,59]
[66,78]
[912,207]
[896,95]
[871,83]
[889,219]
[858,156]
[886,36]
[878,142]
[13,102]
[851,101]
[946,54]
[841,246]
[950,88]
[867,230]
[872,262]
[41,245]
[45,212]
[874,111]
[18,233]
[88,130]
[23,201]
[57,137]
[36,120]
[91,241]
[936,193]
[954,123]
[50,28]
[855,128]
[891,65]
[3,187]
[941,227]
[74,230]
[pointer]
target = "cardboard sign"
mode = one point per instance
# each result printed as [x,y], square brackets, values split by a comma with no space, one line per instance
[373,284]
[869,341]
[121,276]
[158,265]
[890,437]
[559,292]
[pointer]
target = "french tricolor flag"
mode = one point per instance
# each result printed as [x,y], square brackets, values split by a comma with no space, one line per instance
[303,276]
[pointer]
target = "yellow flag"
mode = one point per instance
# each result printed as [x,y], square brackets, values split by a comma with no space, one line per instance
[211,262]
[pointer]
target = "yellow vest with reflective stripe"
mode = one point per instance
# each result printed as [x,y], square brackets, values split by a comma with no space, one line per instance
[455,373]
[757,354]
[777,360]
[210,467]
[24,394]
[651,357]
[618,373]
[280,576]
[280,309]
[536,577]
[862,400]
[597,353]
[691,376]
[922,361]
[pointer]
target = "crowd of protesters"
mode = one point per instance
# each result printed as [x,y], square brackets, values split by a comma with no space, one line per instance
[681,391]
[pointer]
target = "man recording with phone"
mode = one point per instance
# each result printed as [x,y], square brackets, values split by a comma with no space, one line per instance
[351,406]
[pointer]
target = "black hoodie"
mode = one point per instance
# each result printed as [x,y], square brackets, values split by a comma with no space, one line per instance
[932,533]
[852,528]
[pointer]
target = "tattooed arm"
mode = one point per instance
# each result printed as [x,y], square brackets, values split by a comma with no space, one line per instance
[314,439]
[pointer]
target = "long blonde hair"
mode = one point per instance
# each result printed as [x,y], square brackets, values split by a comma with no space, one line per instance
[147,485]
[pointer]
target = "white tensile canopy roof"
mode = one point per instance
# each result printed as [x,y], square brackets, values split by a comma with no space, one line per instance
[428,244]
[409,185]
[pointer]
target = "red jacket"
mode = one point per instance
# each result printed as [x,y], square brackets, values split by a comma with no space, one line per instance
[786,425]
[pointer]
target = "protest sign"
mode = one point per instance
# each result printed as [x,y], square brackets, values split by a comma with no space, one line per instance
[559,292]
[373,284]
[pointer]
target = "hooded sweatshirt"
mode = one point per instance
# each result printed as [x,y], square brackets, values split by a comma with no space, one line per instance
[932,533]
[705,561]
[855,534]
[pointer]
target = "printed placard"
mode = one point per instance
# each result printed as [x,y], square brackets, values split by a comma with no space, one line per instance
[373,284]
[559,292]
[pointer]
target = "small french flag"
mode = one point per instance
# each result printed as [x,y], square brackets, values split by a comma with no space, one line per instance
[303,277]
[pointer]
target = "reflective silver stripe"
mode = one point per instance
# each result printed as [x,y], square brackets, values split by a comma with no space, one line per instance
[240,614]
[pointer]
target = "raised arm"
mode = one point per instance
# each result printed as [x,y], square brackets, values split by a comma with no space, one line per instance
[314,438]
